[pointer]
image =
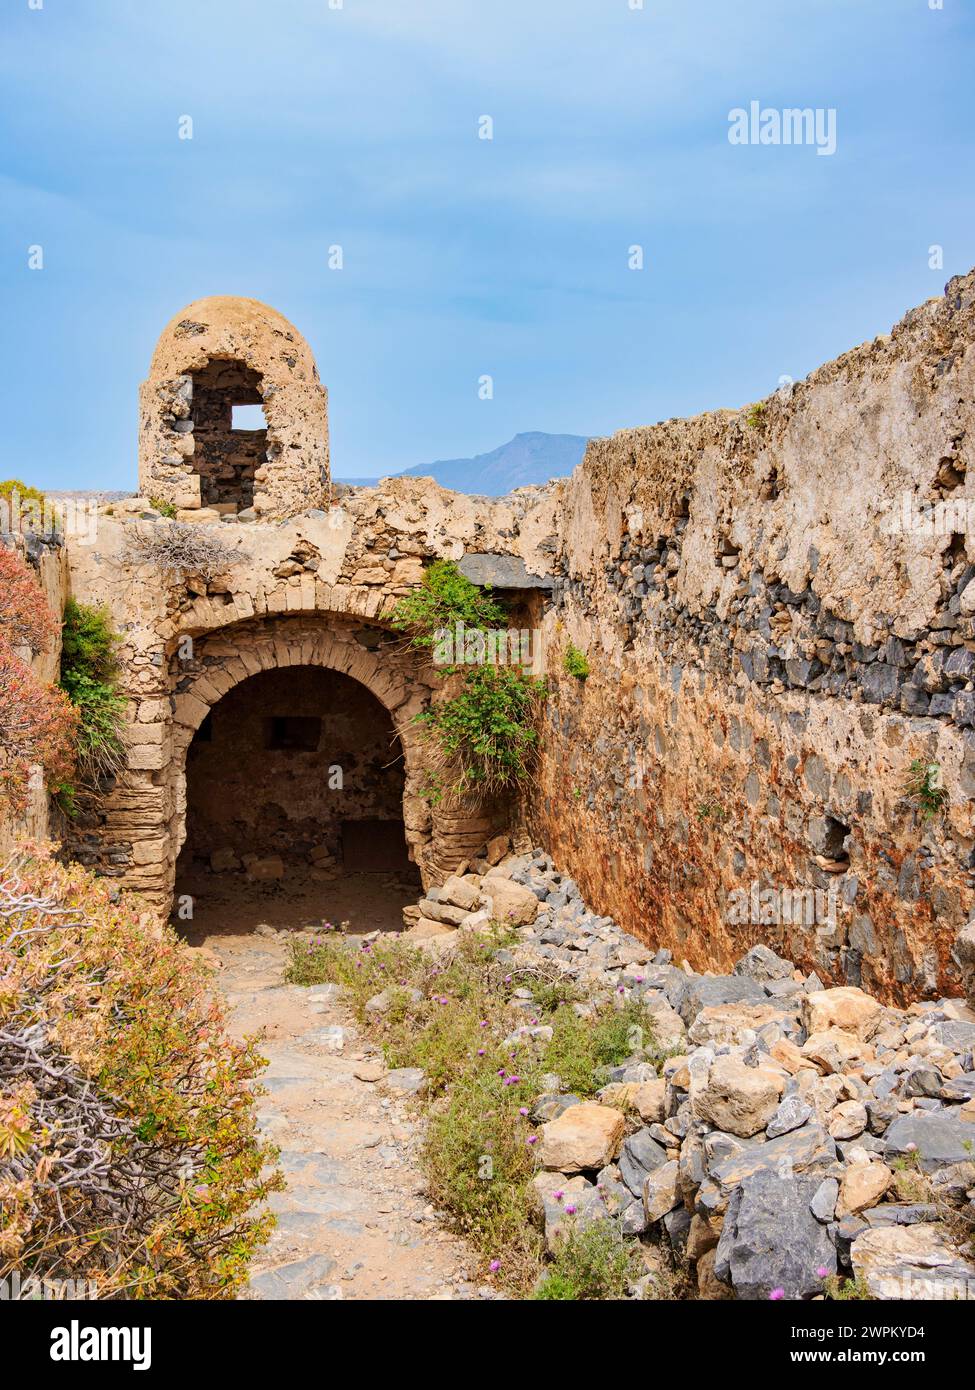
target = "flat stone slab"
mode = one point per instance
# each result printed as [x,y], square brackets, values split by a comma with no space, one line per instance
[936,1140]
[502,572]
[912,1262]
[296,1280]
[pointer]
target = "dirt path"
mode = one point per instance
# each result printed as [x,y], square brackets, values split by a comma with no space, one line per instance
[354,1221]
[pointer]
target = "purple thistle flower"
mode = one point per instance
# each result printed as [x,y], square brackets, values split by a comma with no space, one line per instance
[776,1295]
[494,1266]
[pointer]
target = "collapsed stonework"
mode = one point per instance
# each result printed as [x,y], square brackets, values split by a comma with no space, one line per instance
[776,637]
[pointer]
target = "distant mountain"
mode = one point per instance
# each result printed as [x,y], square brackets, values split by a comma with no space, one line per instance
[528,459]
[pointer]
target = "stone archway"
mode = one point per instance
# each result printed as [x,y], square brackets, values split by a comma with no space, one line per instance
[296,767]
[226,656]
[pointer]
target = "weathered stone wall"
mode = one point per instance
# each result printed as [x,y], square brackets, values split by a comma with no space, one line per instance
[49,562]
[314,591]
[771,653]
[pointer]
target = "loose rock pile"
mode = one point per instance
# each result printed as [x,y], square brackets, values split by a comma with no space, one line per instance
[791,1133]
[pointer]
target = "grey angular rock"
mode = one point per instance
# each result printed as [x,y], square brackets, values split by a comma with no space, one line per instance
[936,1140]
[693,993]
[791,1114]
[823,1202]
[762,964]
[639,1156]
[771,1239]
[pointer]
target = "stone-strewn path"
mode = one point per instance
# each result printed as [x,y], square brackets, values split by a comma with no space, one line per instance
[354,1221]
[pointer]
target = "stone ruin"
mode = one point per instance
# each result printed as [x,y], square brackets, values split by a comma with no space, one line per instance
[777,604]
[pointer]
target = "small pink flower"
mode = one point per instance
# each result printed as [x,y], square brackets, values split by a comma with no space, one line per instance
[822,1272]
[481,1051]
[523,1110]
[494,1266]
[776,1295]
[570,1209]
[483,1023]
[533,1139]
[558,1195]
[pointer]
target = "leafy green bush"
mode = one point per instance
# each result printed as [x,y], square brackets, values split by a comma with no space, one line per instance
[444,599]
[575,662]
[129,1150]
[594,1262]
[89,677]
[486,734]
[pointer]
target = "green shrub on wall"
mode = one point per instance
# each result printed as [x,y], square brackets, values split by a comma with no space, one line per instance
[89,678]
[486,734]
[444,599]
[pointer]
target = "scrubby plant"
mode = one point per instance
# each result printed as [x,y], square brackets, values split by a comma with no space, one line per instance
[181,548]
[38,724]
[591,1262]
[924,787]
[455,1018]
[486,735]
[89,677]
[129,1149]
[444,599]
[31,504]
[756,414]
[166,509]
[711,811]
[575,662]
[839,1290]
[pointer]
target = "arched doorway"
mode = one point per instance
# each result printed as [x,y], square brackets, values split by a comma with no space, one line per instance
[294,807]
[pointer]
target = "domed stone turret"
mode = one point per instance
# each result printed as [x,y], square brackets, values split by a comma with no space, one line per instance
[196,449]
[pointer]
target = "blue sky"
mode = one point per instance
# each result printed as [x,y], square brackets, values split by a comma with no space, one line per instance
[357,126]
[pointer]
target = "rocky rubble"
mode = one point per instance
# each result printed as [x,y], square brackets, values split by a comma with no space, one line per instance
[767,1131]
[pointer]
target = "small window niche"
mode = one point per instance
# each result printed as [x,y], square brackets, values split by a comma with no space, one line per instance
[247,418]
[292,733]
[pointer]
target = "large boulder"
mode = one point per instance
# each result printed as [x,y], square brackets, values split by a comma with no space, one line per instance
[912,1262]
[835,1050]
[583,1137]
[762,964]
[862,1186]
[932,1141]
[807,1150]
[460,892]
[661,1191]
[510,903]
[689,994]
[731,1024]
[846,1007]
[738,1099]
[771,1240]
